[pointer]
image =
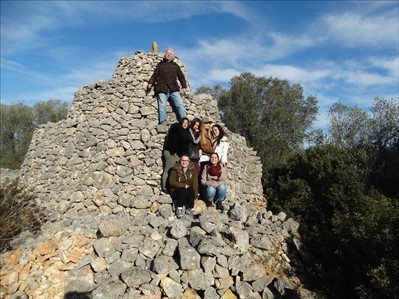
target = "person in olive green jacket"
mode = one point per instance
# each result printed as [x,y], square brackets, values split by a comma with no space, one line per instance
[183,182]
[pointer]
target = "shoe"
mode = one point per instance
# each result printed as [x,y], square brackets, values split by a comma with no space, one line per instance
[209,204]
[163,123]
[190,211]
[219,206]
[179,212]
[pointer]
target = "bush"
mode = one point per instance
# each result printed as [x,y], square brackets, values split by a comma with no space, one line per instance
[352,229]
[18,212]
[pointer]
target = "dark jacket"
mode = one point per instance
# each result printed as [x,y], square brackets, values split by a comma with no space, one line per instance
[178,139]
[178,179]
[165,77]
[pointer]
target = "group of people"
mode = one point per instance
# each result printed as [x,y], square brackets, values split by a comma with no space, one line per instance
[195,152]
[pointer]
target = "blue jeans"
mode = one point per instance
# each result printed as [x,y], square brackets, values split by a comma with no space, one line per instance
[175,100]
[215,193]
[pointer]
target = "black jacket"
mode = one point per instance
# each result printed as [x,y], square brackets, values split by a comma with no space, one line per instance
[165,77]
[178,139]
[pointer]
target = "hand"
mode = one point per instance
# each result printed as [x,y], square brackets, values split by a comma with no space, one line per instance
[149,85]
[183,90]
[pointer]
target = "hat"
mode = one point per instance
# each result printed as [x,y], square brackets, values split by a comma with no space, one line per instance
[206,119]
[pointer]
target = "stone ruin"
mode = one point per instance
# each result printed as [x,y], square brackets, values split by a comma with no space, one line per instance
[110,233]
[107,155]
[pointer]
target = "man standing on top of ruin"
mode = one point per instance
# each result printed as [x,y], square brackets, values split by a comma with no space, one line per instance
[164,79]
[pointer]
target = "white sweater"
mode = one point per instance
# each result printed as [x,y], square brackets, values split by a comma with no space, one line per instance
[222,149]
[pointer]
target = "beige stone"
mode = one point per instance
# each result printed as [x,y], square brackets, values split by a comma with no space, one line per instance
[13,258]
[75,255]
[229,295]
[189,293]
[46,248]
[82,241]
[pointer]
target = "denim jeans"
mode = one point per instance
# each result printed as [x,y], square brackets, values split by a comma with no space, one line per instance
[215,193]
[175,100]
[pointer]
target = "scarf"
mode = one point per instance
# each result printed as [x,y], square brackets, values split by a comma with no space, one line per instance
[214,170]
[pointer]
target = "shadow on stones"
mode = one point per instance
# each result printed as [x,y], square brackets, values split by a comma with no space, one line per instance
[77,295]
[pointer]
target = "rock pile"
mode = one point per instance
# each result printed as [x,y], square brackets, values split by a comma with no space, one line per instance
[112,234]
[244,253]
[107,155]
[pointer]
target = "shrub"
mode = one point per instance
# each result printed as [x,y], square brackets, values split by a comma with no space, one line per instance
[18,212]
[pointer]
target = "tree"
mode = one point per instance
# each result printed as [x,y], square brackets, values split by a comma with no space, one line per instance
[353,230]
[18,122]
[16,133]
[385,123]
[377,134]
[353,127]
[350,127]
[216,91]
[49,111]
[270,113]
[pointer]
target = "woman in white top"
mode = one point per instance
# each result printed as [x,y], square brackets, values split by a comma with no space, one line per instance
[220,143]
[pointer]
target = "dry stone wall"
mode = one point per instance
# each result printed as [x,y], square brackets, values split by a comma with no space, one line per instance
[111,234]
[107,154]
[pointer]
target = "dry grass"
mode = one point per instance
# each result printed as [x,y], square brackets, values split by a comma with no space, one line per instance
[18,212]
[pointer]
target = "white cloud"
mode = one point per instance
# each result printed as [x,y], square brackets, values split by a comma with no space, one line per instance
[390,65]
[352,29]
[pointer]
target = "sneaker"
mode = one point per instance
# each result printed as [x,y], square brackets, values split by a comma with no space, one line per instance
[179,212]
[164,192]
[190,211]
[163,123]
[219,206]
[209,203]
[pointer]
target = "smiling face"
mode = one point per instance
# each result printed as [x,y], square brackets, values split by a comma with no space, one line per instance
[184,161]
[207,126]
[216,131]
[214,159]
[196,126]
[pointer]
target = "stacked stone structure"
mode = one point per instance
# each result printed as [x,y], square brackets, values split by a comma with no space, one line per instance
[111,233]
[107,154]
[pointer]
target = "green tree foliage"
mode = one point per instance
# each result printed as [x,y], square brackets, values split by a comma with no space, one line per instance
[216,91]
[352,127]
[16,133]
[18,122]
[352,230]
[377,133]
[50,111]
[270,113]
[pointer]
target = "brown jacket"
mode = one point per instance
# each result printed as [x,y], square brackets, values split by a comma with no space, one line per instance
[206,142]
[165,77]
[178,179]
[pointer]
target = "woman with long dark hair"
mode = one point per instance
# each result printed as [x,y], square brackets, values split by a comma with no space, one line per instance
[220,142]
[176,145]
[194,146]
[213,181]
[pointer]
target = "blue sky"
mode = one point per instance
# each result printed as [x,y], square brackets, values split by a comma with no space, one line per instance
[339,51]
